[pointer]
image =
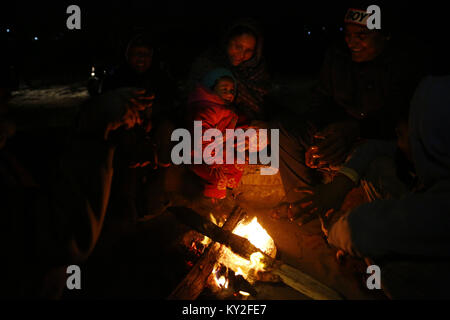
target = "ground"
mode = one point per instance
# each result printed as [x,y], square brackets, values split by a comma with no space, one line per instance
[145,261]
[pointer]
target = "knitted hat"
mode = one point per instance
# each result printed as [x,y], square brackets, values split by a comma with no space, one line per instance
[209,80]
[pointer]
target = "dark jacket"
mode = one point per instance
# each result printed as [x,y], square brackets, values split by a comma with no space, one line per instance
[154,80]
[375,93]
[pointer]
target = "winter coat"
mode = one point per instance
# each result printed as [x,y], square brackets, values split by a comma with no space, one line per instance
[206,106]
[375,93]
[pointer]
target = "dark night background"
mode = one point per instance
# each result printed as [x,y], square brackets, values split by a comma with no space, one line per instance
[182,30]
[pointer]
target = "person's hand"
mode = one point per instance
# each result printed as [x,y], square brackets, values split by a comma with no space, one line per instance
[124,107]
[142,100]
[135,165]
[339,235]
[324,199]
[338,138]
[129,119]
[217,172]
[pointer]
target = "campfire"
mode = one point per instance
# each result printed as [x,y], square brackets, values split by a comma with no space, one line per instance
[233,256]
[229,265]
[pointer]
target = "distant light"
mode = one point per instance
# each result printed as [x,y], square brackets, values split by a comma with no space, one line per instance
[340,29]
[323,28]
[309,33]
[7,30]
[36,38]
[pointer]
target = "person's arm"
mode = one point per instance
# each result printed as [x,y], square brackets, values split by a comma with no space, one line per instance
[417,225]
[364,154]
[327,198]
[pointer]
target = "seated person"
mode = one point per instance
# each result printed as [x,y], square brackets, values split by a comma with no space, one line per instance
[241,52]
[383,168]
[138,190]
[211,102]
[409,237]
[364,87]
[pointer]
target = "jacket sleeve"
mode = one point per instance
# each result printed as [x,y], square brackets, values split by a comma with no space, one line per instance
[415,226]
[364,154]
[209,119]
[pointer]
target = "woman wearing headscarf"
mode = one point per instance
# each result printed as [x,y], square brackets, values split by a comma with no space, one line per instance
[241,51]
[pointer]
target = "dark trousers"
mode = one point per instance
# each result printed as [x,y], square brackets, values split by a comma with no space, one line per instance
[294,140]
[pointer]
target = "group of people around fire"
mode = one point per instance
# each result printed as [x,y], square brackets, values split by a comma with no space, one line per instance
[378,120]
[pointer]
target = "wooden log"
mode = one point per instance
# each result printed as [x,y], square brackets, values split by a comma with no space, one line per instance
[239,245]
[304,283]
[194,282]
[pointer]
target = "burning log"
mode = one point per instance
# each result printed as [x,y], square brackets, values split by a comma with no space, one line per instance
[237,244]
[195,281]
[193,284]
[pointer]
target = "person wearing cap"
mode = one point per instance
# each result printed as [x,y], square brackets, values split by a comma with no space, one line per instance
[364,87]
[211,102]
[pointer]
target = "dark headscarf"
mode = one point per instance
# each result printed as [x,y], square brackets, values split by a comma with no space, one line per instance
[252,78]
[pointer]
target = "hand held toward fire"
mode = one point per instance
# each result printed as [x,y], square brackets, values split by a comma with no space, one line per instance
[336,142]
[217,172]
[142,99]
[128,111]
[339,235]
[324,199]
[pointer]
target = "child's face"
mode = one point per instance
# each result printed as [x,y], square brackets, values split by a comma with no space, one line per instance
[225,89]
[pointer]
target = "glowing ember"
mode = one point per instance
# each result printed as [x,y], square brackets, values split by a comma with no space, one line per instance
[206,241]
[220,280]
[244,293]
[239,272]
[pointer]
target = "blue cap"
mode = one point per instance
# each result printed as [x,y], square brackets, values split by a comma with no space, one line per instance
[211,77]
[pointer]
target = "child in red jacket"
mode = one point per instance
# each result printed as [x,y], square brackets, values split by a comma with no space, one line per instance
[210,102]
